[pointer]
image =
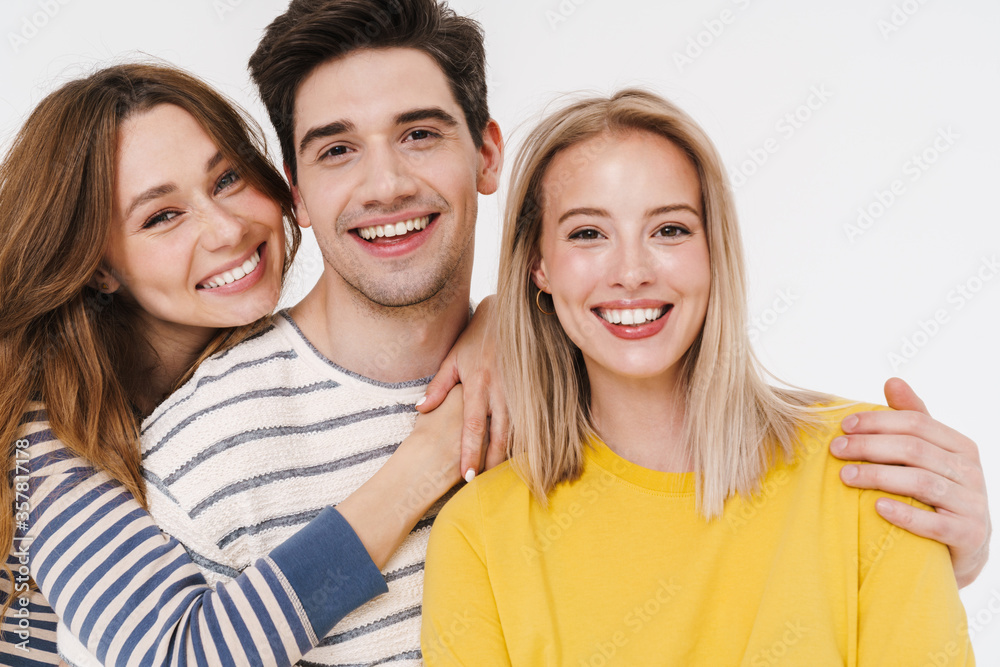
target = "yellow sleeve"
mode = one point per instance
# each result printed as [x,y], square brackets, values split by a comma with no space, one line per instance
[461,624]
[909,612]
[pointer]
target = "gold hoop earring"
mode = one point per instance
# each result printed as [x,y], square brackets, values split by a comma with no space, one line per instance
[105,287]
[538,304]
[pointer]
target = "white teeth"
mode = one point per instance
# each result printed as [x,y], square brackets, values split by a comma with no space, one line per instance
[231,276]
[632,316]
[395,229]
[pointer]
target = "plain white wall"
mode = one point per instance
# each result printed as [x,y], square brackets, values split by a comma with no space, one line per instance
[819,110]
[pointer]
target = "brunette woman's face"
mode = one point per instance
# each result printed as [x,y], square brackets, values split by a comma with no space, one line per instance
[193,244]
[623,253]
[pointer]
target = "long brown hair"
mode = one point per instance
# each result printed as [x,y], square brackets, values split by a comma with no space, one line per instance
[736,424]
[76,350]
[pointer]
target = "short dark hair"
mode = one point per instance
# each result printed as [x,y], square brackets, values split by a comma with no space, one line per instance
[312,32]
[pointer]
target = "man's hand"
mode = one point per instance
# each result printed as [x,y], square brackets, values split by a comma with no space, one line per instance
[473,363]
[913,455]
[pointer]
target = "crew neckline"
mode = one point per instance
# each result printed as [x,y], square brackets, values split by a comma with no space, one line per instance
[667,483]
[322,358]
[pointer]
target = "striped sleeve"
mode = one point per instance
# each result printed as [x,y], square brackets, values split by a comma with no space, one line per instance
[28,631]
[134,596]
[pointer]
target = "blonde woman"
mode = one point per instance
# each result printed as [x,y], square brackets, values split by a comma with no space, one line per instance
[663,504]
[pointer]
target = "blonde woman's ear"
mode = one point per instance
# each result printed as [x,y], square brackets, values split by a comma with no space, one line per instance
[538,275]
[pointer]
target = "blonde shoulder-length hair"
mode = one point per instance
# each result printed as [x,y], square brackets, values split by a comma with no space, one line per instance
[736,424]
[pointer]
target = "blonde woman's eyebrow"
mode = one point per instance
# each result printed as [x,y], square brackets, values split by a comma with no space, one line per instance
[592,212]
[663,210]
[651,213]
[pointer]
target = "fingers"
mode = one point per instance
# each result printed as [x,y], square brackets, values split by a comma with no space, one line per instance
[925,486]
[900,396]
[496,453]
[474,427]
[904,450]
[932,525]
[911,423]
[437,390]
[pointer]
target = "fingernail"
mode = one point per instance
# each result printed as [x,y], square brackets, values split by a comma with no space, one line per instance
[838,445]
[848,473]
[470,475]
[849,422]
[423,399]
[884,507]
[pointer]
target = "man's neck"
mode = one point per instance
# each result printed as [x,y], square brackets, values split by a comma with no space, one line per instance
[377,342]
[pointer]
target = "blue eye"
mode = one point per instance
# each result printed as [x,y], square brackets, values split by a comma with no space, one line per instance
[227,180]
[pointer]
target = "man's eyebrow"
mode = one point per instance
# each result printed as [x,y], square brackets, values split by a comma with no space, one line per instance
[328,130]
[430,113]
[149,195]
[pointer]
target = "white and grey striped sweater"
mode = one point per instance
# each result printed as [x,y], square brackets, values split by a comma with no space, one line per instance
[256,444]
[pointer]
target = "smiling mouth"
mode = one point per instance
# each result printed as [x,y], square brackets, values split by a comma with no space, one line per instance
[632,316]
[396,231]
[231,276]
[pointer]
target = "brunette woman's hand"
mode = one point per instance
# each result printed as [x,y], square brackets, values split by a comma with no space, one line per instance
[473,363]
[911,454]
[423,468]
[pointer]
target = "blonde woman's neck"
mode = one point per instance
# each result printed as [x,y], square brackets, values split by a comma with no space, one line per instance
[642,421]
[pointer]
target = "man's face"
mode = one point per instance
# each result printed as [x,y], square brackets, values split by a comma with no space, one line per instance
[388,174]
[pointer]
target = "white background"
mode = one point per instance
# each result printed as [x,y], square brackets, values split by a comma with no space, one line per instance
[894,75]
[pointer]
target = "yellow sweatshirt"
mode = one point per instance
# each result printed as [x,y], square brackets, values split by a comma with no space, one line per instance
[621,570]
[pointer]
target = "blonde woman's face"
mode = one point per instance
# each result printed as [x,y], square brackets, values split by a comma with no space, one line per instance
[624,253]
[193,244]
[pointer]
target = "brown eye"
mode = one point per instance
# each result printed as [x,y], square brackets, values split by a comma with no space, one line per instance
[160,218]
[672,231]
[585,234]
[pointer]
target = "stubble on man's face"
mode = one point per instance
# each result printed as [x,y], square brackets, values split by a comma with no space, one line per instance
[396,150]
